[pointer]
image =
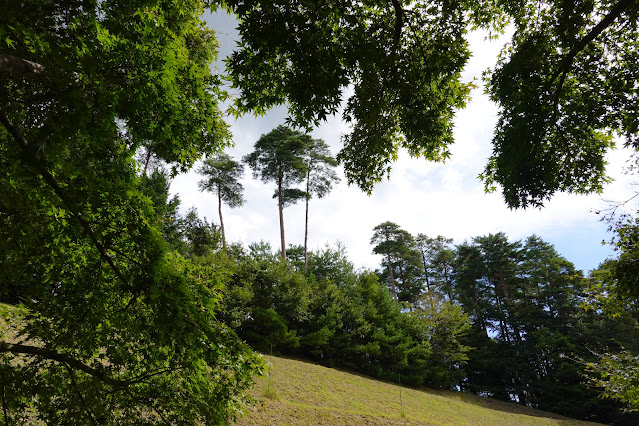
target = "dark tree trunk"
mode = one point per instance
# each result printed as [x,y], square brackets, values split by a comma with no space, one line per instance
[390,274]
[219,208]
[480,317]
[280,204]
[425,271]
[508,305]
[147,160]
[308,196]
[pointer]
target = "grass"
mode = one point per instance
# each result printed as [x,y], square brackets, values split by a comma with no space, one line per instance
[299,393]
[9,317]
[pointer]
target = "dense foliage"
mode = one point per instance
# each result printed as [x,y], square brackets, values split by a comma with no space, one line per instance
[115,324]
[565,84]
[614,292]
[125,312]
[341,317]
[537,326]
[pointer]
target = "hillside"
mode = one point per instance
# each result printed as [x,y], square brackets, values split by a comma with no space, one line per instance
[299,393]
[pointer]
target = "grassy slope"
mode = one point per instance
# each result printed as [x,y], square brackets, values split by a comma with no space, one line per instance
[299,393]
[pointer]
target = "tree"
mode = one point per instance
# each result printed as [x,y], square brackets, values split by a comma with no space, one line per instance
[320,178]
[222,178]
[501,259]
[564,84]
[156,186]
[614,291]
[448,325]
[278,157]
[533,340]
[114,327]
[404,63]
[397,247]
[441,257]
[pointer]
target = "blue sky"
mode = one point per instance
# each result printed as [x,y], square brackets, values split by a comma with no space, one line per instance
[422,197]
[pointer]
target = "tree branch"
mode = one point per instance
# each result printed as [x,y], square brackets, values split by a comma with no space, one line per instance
[10,64]
[70,362]
[399,21]
[77,391]
[64,359]
[50,180]
[566,64]
[14,65]
[4,405]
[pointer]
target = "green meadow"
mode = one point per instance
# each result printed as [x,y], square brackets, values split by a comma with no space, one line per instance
[299,393]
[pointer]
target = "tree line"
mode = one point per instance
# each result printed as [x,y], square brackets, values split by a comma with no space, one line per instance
[538,327]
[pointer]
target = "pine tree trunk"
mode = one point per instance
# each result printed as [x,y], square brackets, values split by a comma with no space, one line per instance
[281,208]
[219,209]
[390,274]
[425,271]
[449,288]
[478,312]
[308,175]
[508,305]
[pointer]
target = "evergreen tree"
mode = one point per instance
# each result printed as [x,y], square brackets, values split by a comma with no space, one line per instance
[279,156]
[320,178]
[401,260]
[222,175]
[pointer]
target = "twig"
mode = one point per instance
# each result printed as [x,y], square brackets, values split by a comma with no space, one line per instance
[77,391]
[4,405]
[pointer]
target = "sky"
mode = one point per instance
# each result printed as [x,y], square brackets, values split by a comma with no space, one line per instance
[421,197]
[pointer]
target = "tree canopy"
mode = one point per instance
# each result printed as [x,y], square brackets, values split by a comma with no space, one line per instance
[565,84]
[115,301]
[113,324]
[278,156]
[222,175]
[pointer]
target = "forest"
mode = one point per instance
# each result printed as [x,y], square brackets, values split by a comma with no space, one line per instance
[115,308]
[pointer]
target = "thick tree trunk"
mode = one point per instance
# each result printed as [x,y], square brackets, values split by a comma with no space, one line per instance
[219,209]
[306,223]
[280,203]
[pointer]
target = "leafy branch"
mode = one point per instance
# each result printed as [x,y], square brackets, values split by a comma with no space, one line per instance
[566,64]
[50,180]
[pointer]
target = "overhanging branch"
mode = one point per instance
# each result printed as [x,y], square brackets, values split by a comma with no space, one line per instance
[399,21]
[50,180]
[14,65]
[75,364]
[566,64]
[64,359]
